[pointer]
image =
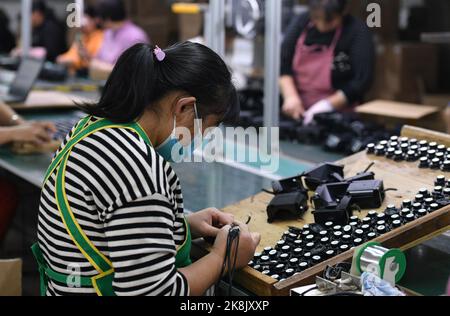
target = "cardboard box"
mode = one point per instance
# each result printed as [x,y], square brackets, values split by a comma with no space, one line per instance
[154,17]
[157,28]
[403,71]
[189,26]
[11,277]
[439,100]
[392,114]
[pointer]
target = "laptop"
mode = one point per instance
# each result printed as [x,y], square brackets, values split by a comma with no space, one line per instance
[24,80]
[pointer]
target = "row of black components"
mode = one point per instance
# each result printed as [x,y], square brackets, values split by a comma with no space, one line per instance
[429,155]
[337,132]
[341,132]
[302,248]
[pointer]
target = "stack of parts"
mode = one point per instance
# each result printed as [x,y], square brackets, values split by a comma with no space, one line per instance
[302,248]
[336,132]
[430,155]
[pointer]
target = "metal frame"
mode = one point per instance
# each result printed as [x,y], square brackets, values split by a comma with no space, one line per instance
[215,39]
[215,26]
[26,26]
[272,63]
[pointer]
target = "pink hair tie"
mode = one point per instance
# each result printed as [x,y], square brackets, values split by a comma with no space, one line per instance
[159,53]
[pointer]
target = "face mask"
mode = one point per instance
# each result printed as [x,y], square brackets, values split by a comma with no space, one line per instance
[172,150]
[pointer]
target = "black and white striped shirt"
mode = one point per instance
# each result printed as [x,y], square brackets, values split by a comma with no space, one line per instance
[128,201]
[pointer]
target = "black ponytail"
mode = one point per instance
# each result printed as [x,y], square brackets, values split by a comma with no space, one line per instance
[140,80]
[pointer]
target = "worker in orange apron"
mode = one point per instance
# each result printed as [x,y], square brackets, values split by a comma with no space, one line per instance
[327,61]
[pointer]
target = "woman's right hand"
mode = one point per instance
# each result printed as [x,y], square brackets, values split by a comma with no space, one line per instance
[33,132]
[293,107]
[247,245]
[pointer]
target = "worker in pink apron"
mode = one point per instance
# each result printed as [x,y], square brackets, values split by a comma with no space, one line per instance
[327,61]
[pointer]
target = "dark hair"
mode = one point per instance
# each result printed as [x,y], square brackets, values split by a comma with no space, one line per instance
[91,11]
[40,6]
[139,80]
[330,7]
[113,10]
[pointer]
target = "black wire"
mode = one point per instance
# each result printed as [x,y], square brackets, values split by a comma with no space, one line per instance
[310,290]
[232,238]
[369,167]
[344,294]
[390,189]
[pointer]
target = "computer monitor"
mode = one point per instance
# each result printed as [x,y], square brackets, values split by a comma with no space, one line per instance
[26,76]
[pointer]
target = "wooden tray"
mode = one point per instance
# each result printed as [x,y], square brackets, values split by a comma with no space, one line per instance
[406,177]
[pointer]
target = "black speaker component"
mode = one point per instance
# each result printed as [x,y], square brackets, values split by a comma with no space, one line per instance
[338,142]
[339,214]
[293,204]
[325,173]
[311,134]
[367,194]
[361,177]
[288,129]
[329,195]
[370,148]
[288,185]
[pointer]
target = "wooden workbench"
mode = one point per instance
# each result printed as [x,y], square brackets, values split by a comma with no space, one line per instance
[406,177]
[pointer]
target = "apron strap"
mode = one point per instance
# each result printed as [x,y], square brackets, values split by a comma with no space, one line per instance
[46,273]
[337,37]
[83,130]
[103,281]
[183,257]
[334,42]
[92,254]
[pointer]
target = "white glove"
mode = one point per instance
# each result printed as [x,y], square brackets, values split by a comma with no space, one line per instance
[323,106]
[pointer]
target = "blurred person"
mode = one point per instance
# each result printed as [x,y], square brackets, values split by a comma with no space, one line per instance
[7,39]
[13,128]
[48,33]
[87,43]
[327,62]
[120,34]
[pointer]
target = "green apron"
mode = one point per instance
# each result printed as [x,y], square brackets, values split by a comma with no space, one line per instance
[103,282]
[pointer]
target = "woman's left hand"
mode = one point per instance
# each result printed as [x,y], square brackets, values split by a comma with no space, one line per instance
[207,223]
[323,106]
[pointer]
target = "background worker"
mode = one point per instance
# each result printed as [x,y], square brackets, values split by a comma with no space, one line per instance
[328,59]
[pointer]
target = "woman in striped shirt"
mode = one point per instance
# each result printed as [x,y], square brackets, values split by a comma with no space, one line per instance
[111,216]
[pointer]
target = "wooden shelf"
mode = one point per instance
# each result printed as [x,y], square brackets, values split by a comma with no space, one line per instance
[406,177]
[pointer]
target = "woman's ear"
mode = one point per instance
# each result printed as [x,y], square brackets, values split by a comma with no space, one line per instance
[185,105]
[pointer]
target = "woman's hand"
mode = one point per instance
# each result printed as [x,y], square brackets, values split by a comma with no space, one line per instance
[205,272]
[293,107]
[207,223]
[247,245]
[33,132]
[323,106]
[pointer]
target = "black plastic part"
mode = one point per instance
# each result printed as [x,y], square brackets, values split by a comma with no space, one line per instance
[325,173]
[293,204]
